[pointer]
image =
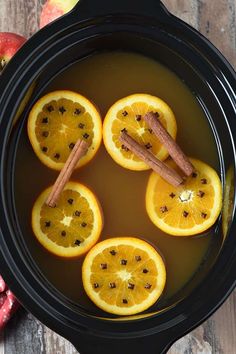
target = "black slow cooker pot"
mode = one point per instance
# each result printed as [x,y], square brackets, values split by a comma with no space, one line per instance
[144,27]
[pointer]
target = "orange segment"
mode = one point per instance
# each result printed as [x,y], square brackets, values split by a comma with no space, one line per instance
[73,226]
[188,209]
[123,275]
[57,121]
[127,114]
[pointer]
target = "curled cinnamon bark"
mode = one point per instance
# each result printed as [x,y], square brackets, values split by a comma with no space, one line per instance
[170,144]
[158,166]
[78,151]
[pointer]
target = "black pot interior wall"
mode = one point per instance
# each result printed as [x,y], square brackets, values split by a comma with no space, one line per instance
[189,69]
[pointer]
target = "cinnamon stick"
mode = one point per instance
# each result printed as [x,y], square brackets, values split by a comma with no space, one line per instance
[158,166]
[170,144]
[78,151]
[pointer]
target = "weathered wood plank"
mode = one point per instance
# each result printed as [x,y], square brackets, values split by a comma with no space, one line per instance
[192,343]
[218,23]
[215,20]
[215,336]
[225,325]
[56,344]
[24,334]
[187,10]
[20,16]
[2,343]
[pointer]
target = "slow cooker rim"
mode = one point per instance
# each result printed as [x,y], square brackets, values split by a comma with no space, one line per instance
[23,52]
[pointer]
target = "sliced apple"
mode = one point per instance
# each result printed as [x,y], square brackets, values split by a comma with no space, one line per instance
[9,45]
[53,9]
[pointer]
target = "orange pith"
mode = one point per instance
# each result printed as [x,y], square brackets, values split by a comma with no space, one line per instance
[127,114]
[73,226]
[189,209]
[57,121]
[123,275]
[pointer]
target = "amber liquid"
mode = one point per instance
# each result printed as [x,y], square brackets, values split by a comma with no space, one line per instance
[105,78]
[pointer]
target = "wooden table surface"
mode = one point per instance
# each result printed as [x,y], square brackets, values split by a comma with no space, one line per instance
[216,19]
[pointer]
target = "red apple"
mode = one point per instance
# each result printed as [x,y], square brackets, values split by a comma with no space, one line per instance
[53,9]
[9,44]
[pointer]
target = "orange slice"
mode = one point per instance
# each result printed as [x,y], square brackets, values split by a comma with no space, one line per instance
[73,226]
[57,121]
[228,203]
[189,209]
[127,115]
[123,275]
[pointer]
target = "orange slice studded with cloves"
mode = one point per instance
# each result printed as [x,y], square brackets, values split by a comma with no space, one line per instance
[72,227]
[57,121]
[127,115]
[123,275]
[189,209]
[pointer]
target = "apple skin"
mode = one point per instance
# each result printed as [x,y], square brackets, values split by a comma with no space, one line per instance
[9,45]
[53,9]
